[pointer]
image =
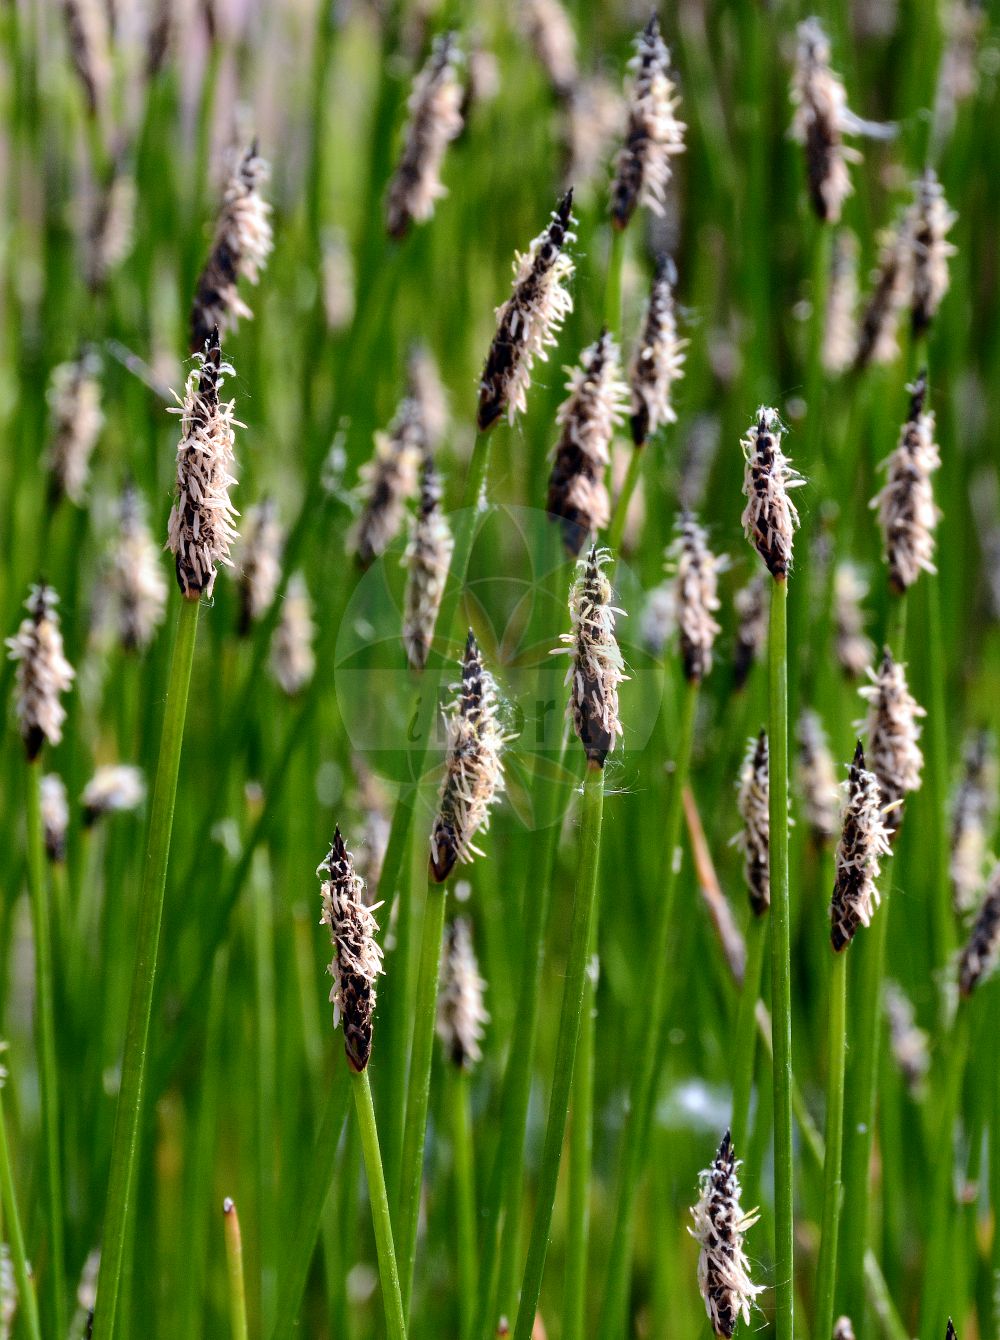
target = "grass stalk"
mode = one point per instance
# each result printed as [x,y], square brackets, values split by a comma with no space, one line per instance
[832,1187]
[613,285]
[617,528]
[388,1272]
[781,996]
[465,1200]
[569,1031]
[745,1049]
[45,1024]
[234,1268]
[28,1303]
[634,1134]
[128,1116]
[581,1145]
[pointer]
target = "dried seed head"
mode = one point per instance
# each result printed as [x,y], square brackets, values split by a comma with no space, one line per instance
[973,818]
[259,562]
[929,220]
[137,580]
[427,560]
[821,118]
[719,1226]
[840,318]
[426,390]
[769,518]
[950,1331]
[293,661]
[200,531]
[55,816]
[843,1329]
[754,839]
[435,108]
[597,667]
[110,231]
[659,358]
[907,514]
[577,494]
[357,958]
[892,285]
[893,734]
[863,841]
[696,599]
[87,30]
[388,480]
[74,397]
[908,1042]
[112,790]
[653,134]
[43,672]
[461,1016]
[750,603]
[548,28]
[240,250]
[530,319]
[855,650]
[817,778]
[979,957]
[473,776]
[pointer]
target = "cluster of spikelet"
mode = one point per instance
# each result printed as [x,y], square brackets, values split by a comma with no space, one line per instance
[597,666]
[719,1227]
[357,957]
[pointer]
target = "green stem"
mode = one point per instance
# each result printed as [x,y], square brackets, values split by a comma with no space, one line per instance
[613,283]
[391,1298]
[581,1144]
[128,1115]
[745,1049]
[15,1236]
[46,1042]
[832,1187]
[418,1090]
[234,1268]
[617,528]
[465,1202]
[569,1032]
[781,993]
[644,1074]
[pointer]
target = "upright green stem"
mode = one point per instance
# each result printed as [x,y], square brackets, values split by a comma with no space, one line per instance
[128,1116]
[635,1130]
[234,1268]
[744,1047]
[418,1090]
[827,1272]
[395,1323]
[581,1143]
[613,283]
[617,527]
[781,993]
[465,1201]
[569,1032]
[27,1301]
[46,1042]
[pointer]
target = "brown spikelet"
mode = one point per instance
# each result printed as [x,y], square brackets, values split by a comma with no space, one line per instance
[597,667]
[929,221]
[388,480]
[893,734]
[658,361]
[653,134]
[435,119]
[769,518]
[863,841]
[427,560]
[821,117]
[259,562]
[139,586]
[750,603]
[817,777]
[754,838]
[843,1329]
[982,949]
[696,598]
[461,1014]
[973,818]
[877,336]
[43,672]
[719,1227]
[907,514]
[357,958]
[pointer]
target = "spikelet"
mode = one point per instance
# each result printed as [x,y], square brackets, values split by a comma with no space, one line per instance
[200,530]
[750,603]
[293,661]
[112,790]
[973,818]
[597,667]
[138,583]
[840,318]
[87,32]
[892,285]
[530,319]
[854,649]
[111,226]
[357,958]
[240,249]
[982,949]
[754,839]
[863,841]
[427,560]
[769,518]
[907,514]
[8,1294]
[55,816]
[719,1226]
[658,361]
[548,29]
[696,599]
[388,480]
[907,1042]
[577,493]
[461,1016]
[820,120]
[435,108]
[74,397]
[473,776]
[817,778]
[843,1329]
[593,116]
[259,562]
[929,220]
[950,1331]
[893,734]
[653,134]
[43,672]
[426,390]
